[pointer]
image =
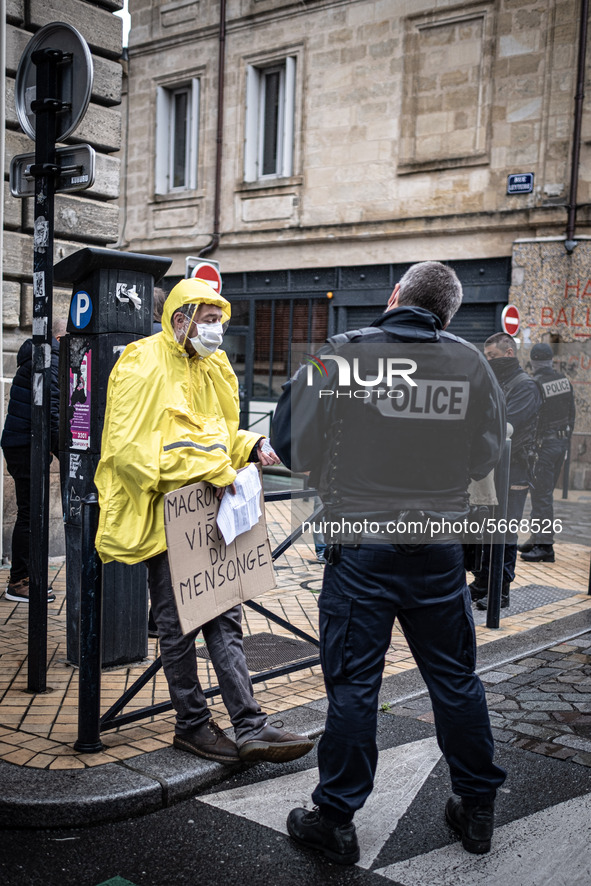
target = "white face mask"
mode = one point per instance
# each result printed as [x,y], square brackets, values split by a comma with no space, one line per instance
[208,339]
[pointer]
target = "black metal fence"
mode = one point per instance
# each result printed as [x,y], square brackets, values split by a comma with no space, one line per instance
[90,722]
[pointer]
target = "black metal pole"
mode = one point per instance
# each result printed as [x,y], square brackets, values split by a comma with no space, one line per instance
[579,100]
[566,469]
[497,548]
[45,106]
[91,606]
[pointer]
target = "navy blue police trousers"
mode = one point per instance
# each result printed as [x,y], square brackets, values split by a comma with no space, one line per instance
[550,461]
[362,594]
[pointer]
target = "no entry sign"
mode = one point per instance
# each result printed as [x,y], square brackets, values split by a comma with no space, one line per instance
[210,273]
[510,320]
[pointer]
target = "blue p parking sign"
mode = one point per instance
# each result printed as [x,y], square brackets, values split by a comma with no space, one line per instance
[81,309]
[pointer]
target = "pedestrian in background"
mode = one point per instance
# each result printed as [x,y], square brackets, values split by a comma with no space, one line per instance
[377,459]
[556,422]
[159,299]
[16,445]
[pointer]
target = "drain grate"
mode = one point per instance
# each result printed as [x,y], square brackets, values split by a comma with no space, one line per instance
[527,598]
[264,651]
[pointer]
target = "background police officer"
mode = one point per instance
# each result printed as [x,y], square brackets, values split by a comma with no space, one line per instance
[555,426]
[384,452]
[523,405]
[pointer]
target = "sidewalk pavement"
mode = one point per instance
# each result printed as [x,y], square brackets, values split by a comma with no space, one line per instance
[525,665]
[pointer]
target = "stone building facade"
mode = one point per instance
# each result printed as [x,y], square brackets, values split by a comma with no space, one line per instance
[405,128]
[356,137]
[83,218]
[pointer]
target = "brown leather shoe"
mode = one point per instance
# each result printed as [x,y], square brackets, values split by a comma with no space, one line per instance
[274,745]
[208,741]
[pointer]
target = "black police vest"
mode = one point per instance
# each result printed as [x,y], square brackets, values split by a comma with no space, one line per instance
[401,430]
[557,400]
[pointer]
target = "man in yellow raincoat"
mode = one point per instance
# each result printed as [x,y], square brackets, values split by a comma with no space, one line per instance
[171,420]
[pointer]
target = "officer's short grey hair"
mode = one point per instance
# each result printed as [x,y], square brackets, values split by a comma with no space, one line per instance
[433,286]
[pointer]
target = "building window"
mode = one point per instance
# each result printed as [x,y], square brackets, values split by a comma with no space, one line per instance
[177,126]
[270,104]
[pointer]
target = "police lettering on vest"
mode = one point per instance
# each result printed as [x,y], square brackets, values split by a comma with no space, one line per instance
[555,387]
[428,399]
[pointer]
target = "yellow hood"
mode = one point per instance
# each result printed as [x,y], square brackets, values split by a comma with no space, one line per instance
[170,420]
[191,292]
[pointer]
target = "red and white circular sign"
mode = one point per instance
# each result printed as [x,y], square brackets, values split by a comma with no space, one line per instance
[210,274]
[510,320]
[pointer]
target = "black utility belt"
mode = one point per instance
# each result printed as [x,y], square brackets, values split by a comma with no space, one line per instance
[561,433]
[393,539]
[404,527]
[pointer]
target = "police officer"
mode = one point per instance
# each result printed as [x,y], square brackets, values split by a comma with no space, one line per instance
[555,426]
[523,405]
[392,421]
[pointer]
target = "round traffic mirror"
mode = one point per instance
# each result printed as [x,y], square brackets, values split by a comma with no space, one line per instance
[76,79]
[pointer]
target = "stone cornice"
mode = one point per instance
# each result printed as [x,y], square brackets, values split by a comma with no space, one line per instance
[202,33]
[520,220]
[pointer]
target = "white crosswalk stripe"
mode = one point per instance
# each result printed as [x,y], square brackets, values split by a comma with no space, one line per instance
[401,773]
[548,848]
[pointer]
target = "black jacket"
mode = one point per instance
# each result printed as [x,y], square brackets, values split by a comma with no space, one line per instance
[376,448]
[523,400]
[17,426]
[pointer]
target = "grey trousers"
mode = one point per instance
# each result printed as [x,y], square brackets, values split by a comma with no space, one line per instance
[223,636]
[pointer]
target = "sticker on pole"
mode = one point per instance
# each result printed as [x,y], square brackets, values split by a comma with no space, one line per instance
[210,273]
[510,320]
[81,309]
[79,403]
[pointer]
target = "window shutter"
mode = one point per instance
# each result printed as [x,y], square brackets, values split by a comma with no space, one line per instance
[162,136]
[194,135]
[289,115]
[251,128]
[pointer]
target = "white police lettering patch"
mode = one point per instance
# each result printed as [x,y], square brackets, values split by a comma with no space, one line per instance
[555,387]
[439,399]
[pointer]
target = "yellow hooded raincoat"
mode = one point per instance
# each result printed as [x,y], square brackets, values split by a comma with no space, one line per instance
[170,420]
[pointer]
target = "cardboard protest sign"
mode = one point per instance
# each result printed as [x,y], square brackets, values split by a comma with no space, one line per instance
[208,576]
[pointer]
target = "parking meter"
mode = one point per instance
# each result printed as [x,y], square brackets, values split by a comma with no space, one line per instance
[111,306]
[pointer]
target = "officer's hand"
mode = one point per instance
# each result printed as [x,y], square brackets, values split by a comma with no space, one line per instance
[219,490]
[266,454]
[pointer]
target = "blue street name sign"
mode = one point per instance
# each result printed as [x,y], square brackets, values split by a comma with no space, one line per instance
[521,183]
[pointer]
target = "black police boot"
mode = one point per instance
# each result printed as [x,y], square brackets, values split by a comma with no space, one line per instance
[474,824]
[337,841]
[483,604]
[477,591]
[540,554]
[526,546]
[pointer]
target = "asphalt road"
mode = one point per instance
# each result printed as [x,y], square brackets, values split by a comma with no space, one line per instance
[233,835]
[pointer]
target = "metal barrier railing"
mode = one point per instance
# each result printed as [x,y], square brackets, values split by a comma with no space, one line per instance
[264,416]
[497,541]
[90,723]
